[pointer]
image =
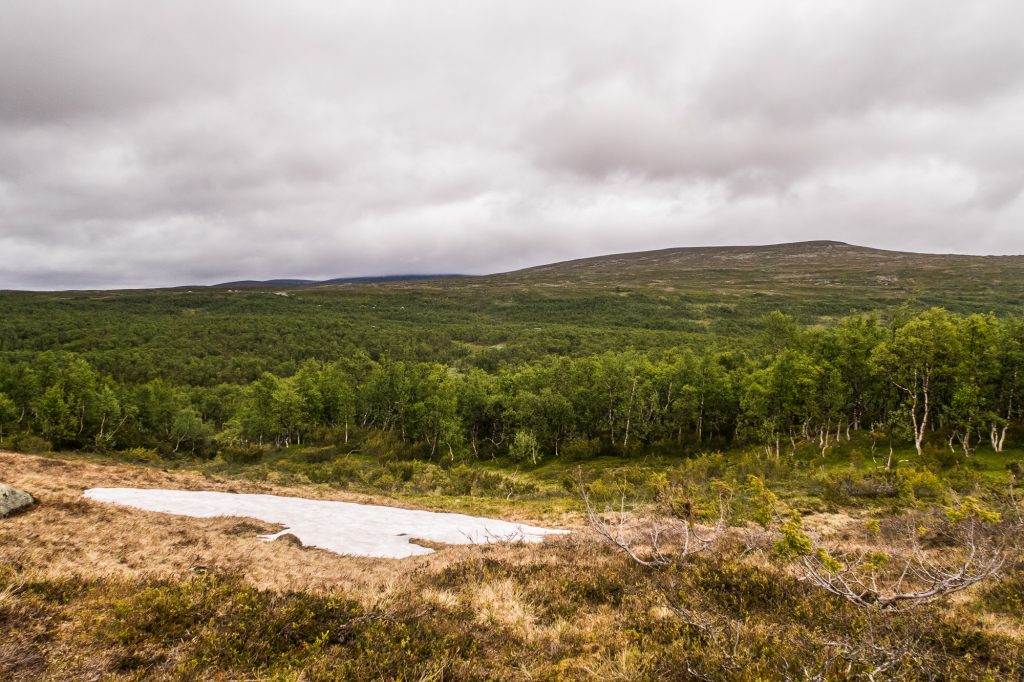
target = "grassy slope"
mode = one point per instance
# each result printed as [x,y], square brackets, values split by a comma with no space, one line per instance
[92,591]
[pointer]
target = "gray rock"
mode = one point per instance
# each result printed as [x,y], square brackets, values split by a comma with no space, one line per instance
[12,500]
[289,539]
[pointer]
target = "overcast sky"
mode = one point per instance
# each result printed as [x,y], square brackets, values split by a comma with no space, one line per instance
[196,141]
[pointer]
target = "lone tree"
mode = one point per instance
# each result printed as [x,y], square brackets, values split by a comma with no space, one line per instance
[917,360]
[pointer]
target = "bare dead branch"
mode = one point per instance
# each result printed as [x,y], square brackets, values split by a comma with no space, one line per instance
[667,539]
[976,549]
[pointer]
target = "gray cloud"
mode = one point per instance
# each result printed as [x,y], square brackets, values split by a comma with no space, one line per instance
[166,143]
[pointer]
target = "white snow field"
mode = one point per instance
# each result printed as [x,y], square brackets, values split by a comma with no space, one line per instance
[341,527]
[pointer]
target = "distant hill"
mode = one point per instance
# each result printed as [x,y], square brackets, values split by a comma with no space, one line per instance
[771,261]
[254,284]
[800,271]
[682,297]
[812,277]
[803,272]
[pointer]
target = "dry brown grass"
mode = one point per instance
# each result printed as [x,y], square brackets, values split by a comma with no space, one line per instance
[503,603]
[833,525]
[67,535]
[571,608]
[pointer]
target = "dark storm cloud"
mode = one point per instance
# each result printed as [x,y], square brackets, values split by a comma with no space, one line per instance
[189,142]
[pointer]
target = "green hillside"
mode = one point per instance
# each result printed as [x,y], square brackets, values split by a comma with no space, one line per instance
[648,300]
[777,462]
[811,276]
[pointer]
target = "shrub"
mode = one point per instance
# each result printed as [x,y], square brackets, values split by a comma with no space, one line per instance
[241,454]
[338,473]
[225,624]
[580,449]
[466,480]
[944,457]
[524,447]
[1007,596]
[31,444]
[872,485]
[315,455]
[925,485]
[384,445]
[962,480]
[140,455]
[407,476]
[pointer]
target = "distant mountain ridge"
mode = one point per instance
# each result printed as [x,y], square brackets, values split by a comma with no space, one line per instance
[805,269]
[254,284]
[786,264]
[750,256]
[691,291]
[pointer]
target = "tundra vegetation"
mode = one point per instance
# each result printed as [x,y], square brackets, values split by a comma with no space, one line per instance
[803,465]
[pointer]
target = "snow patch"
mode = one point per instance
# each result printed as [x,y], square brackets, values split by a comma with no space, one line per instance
[341,527]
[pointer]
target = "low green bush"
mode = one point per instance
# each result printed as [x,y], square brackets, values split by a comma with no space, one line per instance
[140,456]
[851,484]
[30,444]
[1007,595]
[240,454]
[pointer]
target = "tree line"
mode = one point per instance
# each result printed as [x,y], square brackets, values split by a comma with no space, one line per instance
[935,378]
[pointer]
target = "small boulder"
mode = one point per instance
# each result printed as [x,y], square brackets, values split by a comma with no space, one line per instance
[289,539]
[12,500]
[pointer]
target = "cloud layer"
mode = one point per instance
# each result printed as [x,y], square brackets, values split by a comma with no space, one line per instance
[148,144]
